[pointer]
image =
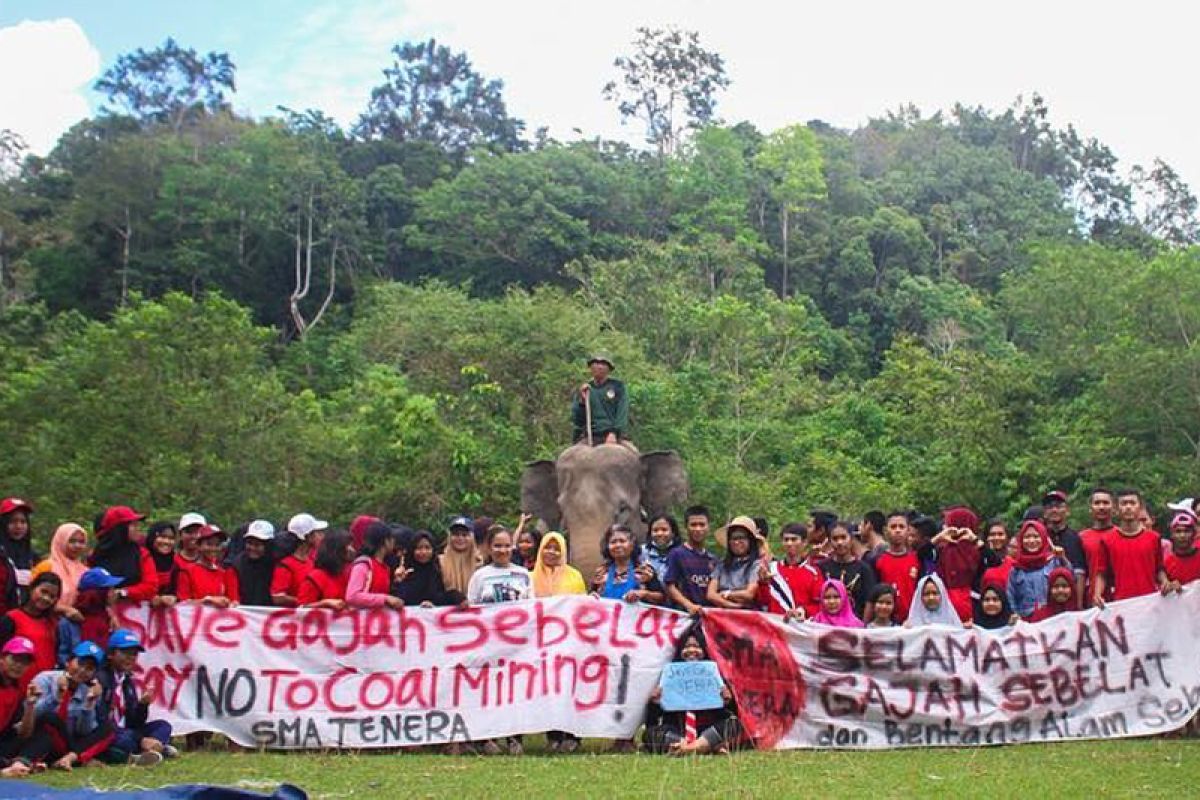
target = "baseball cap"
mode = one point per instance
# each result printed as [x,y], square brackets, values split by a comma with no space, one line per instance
[18,646]
[461,522]
[191,518]
[1054,496]
[260,529]
[125,639]
[1186,518]
[209,531]
[116,516]
[1186,505]
[11,504]
[89,650]
[304,524]
[98,578]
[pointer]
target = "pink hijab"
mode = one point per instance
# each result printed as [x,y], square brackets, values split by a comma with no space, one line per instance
[64,567]
[845,618]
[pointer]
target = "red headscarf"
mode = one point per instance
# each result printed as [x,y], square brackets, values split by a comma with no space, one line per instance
[961,517]
[1051,608]
[358,530]
[1026,560]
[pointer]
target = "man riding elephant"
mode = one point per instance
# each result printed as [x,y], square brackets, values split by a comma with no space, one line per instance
[600,409]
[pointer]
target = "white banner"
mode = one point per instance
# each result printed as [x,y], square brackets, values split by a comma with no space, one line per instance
[312,678]
[1132,669]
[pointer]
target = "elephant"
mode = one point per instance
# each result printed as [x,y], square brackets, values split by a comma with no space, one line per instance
[589,488]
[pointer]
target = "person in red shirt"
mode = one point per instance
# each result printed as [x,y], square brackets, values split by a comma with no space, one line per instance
[123,557]
[958,557]
[1101,505]
[1130,557]
[791,586]
[996,560]
[188,550]
[325,584]
[899,566]
[209,581]
[1182,564]
[37,622]
[1060,595]
[21,744]
[291,570]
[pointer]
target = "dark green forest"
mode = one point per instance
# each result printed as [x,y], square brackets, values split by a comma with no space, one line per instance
[256,315]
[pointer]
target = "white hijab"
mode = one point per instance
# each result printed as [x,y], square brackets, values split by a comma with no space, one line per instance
[944,614]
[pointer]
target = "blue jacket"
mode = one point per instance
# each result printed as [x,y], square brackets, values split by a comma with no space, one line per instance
[1028,588]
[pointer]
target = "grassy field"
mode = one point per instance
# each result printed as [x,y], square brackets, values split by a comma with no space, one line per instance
[1142,768]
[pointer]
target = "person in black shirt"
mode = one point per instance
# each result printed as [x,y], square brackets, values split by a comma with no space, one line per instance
[844,566]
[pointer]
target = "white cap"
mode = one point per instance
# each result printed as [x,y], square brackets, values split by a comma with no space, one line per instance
[260,529]
[1186,504]
[304,524]
[191,518]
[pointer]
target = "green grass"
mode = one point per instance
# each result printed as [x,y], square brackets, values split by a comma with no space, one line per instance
[1143,768]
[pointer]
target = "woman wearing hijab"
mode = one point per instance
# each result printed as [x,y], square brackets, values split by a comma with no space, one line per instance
[160,543]
[16,538]
[1029,578]
[459,559]
[992,610]
[123,557]
[552,575]
[66,560]
[837,609]
[419,582]
[1060,597]
[255,565]
[931,605]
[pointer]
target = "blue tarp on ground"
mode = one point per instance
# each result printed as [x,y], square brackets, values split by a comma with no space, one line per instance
[28,790]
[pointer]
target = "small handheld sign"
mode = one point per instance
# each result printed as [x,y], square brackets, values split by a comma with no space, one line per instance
[691,686]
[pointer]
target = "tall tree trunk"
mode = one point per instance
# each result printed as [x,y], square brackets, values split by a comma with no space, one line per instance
[126,234]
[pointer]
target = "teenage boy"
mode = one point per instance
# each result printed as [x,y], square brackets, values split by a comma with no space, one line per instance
[66,708]
[899,565]
[843,565]
[1131,556]
[127,709]
[1101,505]
[870,534]
[791,586]
[690,567]
[1055,513]
[1182,564]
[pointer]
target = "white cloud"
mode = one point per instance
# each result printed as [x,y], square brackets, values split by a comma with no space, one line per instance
[1119,72]
[45,70]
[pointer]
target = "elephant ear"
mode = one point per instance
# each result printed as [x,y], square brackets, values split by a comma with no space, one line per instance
[664,481]
[539,492]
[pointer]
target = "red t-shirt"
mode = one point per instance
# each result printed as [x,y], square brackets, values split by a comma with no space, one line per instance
[319,585]
[11,706]
[1184,569]
[199,581]
[804,581]
[1090,539]
[1131,563]
[900,571]
[290,573]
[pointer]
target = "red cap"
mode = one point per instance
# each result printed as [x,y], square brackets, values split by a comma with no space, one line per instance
[11,504]
[209,531]
[116,516]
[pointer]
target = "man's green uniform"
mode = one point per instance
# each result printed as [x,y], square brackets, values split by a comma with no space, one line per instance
[610,411]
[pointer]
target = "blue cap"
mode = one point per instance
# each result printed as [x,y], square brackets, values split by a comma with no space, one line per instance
[89,650]
[125,639]
[461,522]
[99,578]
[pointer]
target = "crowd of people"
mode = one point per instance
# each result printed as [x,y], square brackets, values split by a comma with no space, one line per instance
[69,697]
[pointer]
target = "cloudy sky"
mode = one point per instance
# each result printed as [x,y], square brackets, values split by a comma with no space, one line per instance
[1120,71]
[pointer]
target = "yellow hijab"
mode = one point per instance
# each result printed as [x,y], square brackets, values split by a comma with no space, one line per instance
[563,579]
